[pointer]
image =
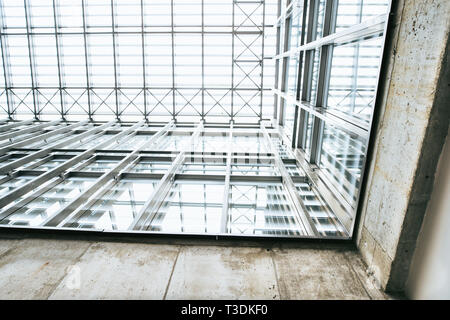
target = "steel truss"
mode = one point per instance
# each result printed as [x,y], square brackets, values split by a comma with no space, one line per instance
[149,100]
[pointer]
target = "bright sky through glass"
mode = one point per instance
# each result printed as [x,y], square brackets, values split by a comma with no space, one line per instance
[154,59]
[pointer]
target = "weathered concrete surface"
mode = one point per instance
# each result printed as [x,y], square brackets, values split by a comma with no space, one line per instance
[116,270]
[7,245]
[41,269]
[322,274]
[411,129]
[223,273]
[34,268]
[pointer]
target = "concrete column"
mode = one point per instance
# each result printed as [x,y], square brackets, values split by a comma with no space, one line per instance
[411,123]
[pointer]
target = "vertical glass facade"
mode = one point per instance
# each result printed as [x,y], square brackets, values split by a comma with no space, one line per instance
[339,56]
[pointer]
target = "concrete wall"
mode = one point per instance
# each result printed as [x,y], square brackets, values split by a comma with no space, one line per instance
[411,126]
[429,275]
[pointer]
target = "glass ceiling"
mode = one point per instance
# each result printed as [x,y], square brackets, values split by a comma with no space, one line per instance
[132,59]
[310,67]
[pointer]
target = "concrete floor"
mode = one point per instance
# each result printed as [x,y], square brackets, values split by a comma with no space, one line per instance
[67,269]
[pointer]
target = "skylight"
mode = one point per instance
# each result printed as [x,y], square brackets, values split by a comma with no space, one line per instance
[185,60]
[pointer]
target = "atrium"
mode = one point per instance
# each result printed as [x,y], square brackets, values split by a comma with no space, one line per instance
[246,120]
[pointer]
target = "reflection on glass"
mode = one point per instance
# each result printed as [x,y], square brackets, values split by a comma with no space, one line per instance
[52,140]
[325,221]
[261,209]
[203,168]
[132,143]
[353,79]
[12,184]
[191,207]
[212,143]
[315,76]
[351,12]
[309,124]
[49,203]
[90,142]
[292,76]
[172,142]
[342,158]
[254,169]
[151,166]
[249,144]
[283,150]
[289,119]
[100,165]
[294,170]
[296,27]
[117,207]
[49,165]
[320,18]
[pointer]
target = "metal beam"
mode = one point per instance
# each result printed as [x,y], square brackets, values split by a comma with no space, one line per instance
[262,62]
[116,84]
[226,192]
[323,79]
[145,216]
[365,29]
[327,116]
[31,57]
[14,194]
[68,213]
[63,129]
[144,77]
[11,125]
[30,129]
[58,59]
[46,151]
[5,64]
[173,61]
[86,64]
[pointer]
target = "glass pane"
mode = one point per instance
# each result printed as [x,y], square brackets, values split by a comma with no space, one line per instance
[203,168]
[212,143]
[100,165]
[342,157]
[101,60]
[117,207]
[190,207]
[150,166]
[13,183]
[49,203]
[261,209]
[354,77]
[18,60]
[352,12]
[325,221]
[129,60]
[13,16]
[249,143]
[315,76]
[173,142]
[73,64]
[254,169]
[289,118]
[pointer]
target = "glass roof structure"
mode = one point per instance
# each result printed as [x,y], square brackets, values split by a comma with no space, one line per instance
[187,60]
[200,117]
